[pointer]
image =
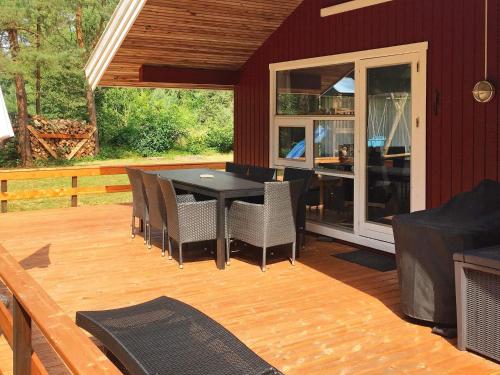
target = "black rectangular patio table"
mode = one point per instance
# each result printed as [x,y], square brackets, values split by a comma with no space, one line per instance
[222,186]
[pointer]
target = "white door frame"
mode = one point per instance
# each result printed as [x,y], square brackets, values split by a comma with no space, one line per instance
[418,138]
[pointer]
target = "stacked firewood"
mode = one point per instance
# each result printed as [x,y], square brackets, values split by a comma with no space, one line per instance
[61,138]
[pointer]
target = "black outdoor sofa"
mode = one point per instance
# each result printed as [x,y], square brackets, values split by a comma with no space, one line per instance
[166,336]
[426,241]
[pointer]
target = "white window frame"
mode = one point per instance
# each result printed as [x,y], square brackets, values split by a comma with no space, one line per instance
[349,6]
[294,122]
[356,58]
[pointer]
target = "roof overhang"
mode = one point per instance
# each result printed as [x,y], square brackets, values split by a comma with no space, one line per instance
[182,43]
[112,38]
[188,76]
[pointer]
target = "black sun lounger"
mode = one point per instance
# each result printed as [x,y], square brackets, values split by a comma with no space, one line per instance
[166,336]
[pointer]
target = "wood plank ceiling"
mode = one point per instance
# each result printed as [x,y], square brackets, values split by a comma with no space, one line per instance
[208,34]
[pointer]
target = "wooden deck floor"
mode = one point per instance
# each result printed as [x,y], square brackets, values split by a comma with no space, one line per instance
[324,316]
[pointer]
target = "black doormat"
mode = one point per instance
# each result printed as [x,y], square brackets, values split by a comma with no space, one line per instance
[366,258]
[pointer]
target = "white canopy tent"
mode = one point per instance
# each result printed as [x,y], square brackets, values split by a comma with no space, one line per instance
[5,125]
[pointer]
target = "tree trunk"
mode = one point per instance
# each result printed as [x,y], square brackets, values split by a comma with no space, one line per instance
[38,69]
[22,105]
[92,115]
[91,111]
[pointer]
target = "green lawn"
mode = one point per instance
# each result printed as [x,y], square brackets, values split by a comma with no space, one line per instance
[96,199]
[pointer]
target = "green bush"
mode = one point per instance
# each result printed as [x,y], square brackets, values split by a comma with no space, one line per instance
[220,138]
[196,144]
[9,157]
[157,134]
[154,121]
[113,112]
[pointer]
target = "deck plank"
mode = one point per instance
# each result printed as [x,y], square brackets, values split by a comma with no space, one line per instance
[323,316]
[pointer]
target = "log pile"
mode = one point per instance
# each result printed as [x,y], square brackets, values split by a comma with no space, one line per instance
[61,138]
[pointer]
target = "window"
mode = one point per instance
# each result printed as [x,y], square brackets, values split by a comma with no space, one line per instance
[326,90]
[292,143]
[358,121]
[334,145]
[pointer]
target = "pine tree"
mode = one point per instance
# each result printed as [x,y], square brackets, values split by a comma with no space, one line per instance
[14,31]
[44,45]
[89,26]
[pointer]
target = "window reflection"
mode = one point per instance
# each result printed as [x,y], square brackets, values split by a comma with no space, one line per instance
[292,143]
[388,150]
[327,90]
[334,145]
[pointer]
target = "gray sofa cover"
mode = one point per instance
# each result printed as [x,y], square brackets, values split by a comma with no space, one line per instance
[426,240]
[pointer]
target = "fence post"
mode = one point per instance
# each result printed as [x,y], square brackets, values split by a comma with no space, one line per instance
[74,198]
[3,189]
[22,339]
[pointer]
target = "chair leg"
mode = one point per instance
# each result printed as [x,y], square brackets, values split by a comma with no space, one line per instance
[163,234]
[294,246]
[303,238]
[298,241]
[146,225]
[170,248]
[181,265]
[228,252]
[263,267]
[133,226]
[149,236]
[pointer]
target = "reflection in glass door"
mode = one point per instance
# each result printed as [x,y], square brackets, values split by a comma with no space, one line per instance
[331,195]
[388,146]
[390,119]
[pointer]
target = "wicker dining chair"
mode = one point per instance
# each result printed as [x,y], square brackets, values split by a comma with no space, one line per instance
[187,221]
[156,207]
[238,169]
[264,225]
[305,175]
[261,174]
[296,189]
[139,200]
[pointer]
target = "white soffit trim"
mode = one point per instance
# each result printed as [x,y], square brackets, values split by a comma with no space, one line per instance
[111,39]
[349,57]
[350,5]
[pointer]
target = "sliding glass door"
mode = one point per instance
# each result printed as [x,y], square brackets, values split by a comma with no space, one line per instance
[392,142]
[357,120]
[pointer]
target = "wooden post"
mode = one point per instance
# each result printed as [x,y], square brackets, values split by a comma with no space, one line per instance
[3,189]
[22,339]
[74,198]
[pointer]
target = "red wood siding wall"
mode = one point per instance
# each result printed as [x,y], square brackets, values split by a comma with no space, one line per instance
[463,136]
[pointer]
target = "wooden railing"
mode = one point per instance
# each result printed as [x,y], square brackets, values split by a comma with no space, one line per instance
[74,173]
[32,304]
